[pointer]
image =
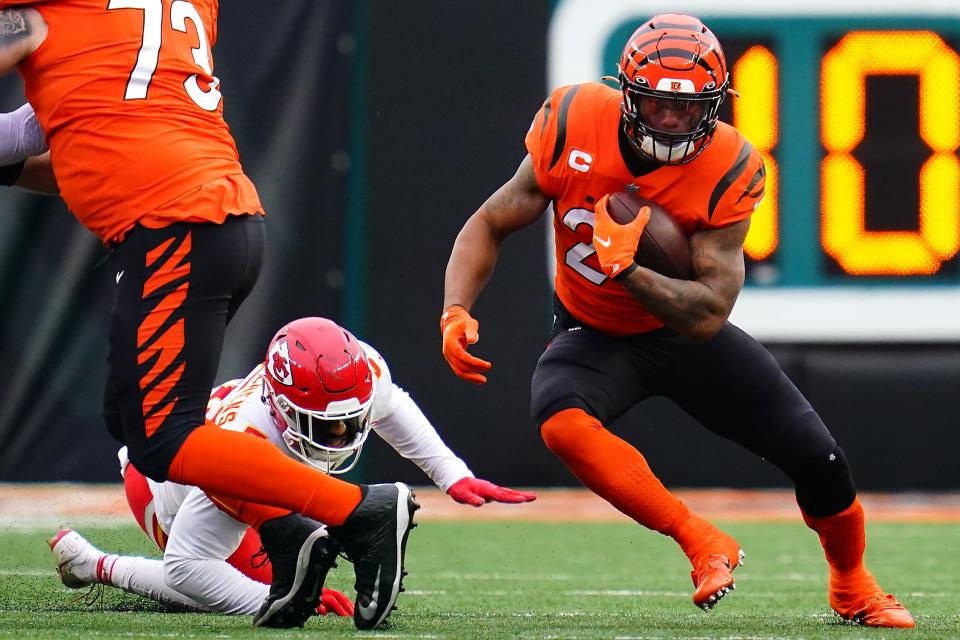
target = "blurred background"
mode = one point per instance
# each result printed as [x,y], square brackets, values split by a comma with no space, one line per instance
[373,129]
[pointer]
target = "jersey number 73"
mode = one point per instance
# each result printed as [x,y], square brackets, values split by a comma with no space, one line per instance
[180,12]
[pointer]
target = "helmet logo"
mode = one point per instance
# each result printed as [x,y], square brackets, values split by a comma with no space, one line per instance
[279,363]
[682,85]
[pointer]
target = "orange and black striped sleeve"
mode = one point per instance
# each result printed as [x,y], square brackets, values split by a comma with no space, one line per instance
[740,189]
[547,137]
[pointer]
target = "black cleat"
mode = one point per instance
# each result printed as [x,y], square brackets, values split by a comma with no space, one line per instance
[374,539]
[301,553]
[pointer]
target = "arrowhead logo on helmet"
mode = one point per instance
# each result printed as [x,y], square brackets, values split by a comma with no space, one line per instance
[279,363]
[319,387]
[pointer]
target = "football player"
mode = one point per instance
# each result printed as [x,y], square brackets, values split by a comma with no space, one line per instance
[316,397]
[142,156]
[623,333]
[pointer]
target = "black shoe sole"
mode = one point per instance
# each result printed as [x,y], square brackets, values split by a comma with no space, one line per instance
[405,520]
[295,608]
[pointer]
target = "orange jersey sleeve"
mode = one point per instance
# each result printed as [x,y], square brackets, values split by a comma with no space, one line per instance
[739,191]
[541,139]
[133,114]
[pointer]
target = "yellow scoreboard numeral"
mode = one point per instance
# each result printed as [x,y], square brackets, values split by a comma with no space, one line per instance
[843,110]
[755,116]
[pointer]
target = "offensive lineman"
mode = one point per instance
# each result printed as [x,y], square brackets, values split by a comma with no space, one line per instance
[125,93]
[623,333]
[316,397]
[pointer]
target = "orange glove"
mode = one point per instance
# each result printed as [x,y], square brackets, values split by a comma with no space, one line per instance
[615,243]
[459,330]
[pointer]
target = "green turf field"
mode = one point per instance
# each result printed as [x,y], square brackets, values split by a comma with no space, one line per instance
[537,580]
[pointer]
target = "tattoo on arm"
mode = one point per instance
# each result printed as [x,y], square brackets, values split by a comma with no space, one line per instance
[13,26]
[517,204]
[718,263]
[698,307]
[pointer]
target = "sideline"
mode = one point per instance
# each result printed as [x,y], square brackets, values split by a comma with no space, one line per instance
[24,506]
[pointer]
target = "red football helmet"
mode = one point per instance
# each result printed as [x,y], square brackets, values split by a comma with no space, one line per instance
[674,77]
[319,387]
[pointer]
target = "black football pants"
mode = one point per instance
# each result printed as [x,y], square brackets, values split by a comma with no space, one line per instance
[176,290]
[730,384]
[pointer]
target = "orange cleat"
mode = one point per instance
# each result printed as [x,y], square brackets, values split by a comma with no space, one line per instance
[713,566]
[866,604]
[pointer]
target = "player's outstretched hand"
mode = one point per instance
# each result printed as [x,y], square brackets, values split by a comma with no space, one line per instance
[616,244]
[459,330]
[336,603]
[477,492]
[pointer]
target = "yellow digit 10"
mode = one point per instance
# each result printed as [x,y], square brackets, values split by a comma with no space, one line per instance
[755,116]
[842,116]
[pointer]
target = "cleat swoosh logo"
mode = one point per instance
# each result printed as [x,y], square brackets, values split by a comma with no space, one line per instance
[120,275]
[603,243]
[369,611]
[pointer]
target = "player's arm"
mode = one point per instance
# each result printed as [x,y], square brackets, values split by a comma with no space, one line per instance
[517,204]
[24,155]
[407,429]
[22,30]
[697,308]
[37,175]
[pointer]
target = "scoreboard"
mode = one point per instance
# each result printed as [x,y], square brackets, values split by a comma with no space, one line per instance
[855,107]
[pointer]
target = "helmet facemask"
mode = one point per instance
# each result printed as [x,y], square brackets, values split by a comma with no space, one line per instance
[663,146]
[330,440]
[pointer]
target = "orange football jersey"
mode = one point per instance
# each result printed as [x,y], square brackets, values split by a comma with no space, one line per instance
[575,147]
[133,114]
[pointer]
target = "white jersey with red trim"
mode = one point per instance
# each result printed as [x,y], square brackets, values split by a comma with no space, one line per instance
[239,405]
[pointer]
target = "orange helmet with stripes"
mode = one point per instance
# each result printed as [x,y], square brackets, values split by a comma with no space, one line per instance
[674,77]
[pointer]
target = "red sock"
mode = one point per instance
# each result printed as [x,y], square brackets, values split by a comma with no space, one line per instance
[843,539]
[618,473]
[248,560]
[238,465]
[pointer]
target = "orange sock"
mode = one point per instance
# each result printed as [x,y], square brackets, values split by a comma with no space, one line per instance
[618,473]
[844,541]
[237,465]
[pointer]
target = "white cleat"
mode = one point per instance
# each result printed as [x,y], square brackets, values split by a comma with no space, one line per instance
[78,561]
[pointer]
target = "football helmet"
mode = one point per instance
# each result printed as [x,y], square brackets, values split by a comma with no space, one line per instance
[673,76]
[319,388]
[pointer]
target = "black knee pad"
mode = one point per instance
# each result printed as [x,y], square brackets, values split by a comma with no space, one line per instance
[824,485]
[149,466]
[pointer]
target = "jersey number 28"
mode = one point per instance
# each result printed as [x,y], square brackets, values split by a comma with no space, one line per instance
[180,12]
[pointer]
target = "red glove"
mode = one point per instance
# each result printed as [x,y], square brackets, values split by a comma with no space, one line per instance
[459,329]
[477,492]
[616,244]
[334,602]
